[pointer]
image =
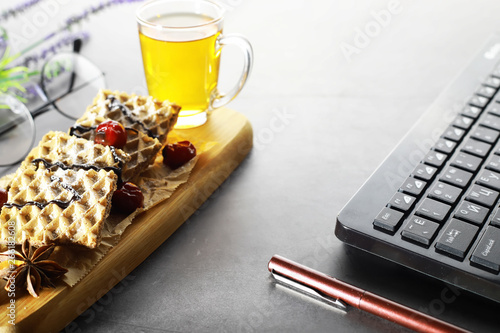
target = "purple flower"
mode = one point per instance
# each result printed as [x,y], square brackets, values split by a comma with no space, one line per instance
[11,12]
[93,10]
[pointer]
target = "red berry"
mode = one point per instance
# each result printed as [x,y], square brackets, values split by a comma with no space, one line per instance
[178,154]
[111,133]
[127,198]
[3,197]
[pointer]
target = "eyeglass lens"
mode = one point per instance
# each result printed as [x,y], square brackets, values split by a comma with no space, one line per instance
[17,130]
[69,82]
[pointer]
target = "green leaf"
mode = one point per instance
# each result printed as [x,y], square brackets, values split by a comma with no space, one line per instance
[13,78]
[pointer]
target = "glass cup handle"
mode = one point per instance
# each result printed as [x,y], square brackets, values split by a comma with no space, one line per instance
[222,99]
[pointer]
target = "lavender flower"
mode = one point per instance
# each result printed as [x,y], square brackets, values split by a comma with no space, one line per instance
[70,22]
[93,10]
[11,12]
[15,78]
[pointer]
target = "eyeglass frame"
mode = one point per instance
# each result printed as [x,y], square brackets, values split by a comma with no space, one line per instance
[13,102]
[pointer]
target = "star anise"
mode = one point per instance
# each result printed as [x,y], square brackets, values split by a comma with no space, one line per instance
[34,271]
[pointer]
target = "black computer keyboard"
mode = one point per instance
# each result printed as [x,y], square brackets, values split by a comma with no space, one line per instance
[434,203]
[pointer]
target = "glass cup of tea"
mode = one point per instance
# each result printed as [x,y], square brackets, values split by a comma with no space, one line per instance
[181,42]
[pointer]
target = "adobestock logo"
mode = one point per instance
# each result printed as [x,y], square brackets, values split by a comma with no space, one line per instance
[42,16]
[372,29]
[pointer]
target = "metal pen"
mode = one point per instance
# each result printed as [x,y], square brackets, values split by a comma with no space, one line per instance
[341,294]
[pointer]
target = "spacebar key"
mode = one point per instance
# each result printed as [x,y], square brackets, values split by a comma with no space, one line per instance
[487,252]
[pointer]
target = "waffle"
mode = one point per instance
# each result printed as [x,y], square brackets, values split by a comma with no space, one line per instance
[145,138]
[140,148]
[71,206]
[145,114]
[62,192]
[142,151]
[69,151]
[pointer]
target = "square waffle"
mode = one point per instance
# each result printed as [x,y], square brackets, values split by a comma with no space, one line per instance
[57,206]
[142,113]
[147,122]
[59,149]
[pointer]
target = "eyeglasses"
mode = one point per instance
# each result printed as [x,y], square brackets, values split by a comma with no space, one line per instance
[68,82]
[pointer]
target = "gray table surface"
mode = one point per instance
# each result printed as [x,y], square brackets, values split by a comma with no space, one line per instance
[323,120]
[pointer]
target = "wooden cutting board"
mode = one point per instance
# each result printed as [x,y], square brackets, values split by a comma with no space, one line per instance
[56,308]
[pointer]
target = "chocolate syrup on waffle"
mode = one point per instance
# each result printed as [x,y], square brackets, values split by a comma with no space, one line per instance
[80,129]
[42,205]
[49,165]
[114,104]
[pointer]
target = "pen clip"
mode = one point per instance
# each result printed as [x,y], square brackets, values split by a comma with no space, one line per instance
[297,286]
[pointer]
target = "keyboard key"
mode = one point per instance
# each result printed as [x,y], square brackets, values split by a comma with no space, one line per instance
[479,101]
[453,133]
[485,134]
[471,212]
[489,179]
[486,91]
[456,177]
[413,186]
[477,148]
[462,122]
[495,220]
[487,253]
[388,220]
[403,202]
[433,210]
[445,193]
[420,230]
[491,121]
[482,196]
[445,146]
[424,172]
[493,163]
[494,108]
[456,238]
[492,82]
[496,72]
[496,149]
[467,162]
[434,158]
[471,111]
